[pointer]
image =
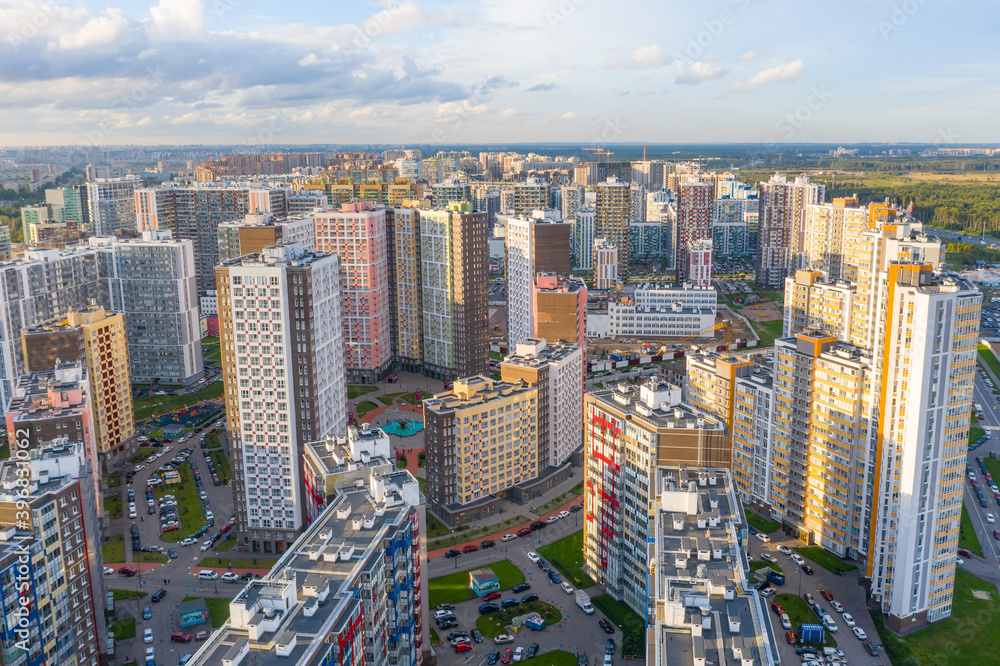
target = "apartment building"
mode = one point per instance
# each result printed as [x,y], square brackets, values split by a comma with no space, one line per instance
[51,568]
[695,209]
[813,301]
[531,195]
[645,240]
[111,203]
[699,272]
[606,264]
[583,237]
[450,190]
[729,228]
[711,383]
[349,591]
[153,281]
[628,433]
[828,228]
[259,230]
[782,210]
[535,244]
[753,435]
[96,339]
[67,199]
[556,369]
[283,368]
[559,310]
[612,220]
[357,234]
[480,440]
[405,293]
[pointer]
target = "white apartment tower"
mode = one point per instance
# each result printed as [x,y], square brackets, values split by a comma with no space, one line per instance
[699,255]
[283,360]
[780,238]
[605,264]
[112,204]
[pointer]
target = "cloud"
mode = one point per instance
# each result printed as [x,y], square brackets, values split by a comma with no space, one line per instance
[642,58]
[697,72]
[148,53]
[178,19]
[109,28]
[507,113]
[312,59]
[787,72]
[754,55]
[569,115]
[464,108]
[543,87]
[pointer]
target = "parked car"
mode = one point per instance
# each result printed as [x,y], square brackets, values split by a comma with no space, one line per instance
[128,571]
[503,638]
[860,633]
[509,603]
[147,613]
[554,577]
[487,544]
[575,508]
[471,548]
[486,609]
[490,596]
[180,637]
[532,650]
[453,553]
[528,598]
[790,637]
[493,658]
[768,557]
[522,587]
[510,537]
[201,636]
[606,625]
[463,647]
[147,635]
[566,587]
[524,531]
[158,595]
[537,525]
[808,569]
[230,577]
[507,655]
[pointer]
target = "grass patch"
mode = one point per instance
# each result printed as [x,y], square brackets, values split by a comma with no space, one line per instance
[975,434]
[218,609]
[358,391]
[762,524]
[241,563]
[494,624]
[144,453]
[422,484]
[986,353]
[967,637]
[113,481]
[226,545]
[5,452]
[114,549]
[161,404]
[421,459]
[577,489]
[767,331]
[125,595]
[566,554]
[826,559]
[155,558]
[800,613]
[497,356]
[761,564]
[401,462]
[434,637]
[633,627]
[189,507]
[385,400]
[454,588]
[221,466]
[212,441]
[113,505]
[123,629]
[556,658]
[411,398]
[967,534]
[364,408]
[435,528]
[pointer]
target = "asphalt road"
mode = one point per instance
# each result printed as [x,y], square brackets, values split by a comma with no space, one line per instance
[989,565]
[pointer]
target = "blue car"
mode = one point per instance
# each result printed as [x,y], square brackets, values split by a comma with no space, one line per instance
[554,577]
[147,613]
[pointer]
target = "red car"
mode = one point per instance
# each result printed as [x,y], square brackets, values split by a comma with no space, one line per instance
[471,548]
[492,595]
[180,637]
[826,594]
[505,659]
[525,531]
[996,535]
[790,637]
[964,553]
[225,528]
[776,607]
[128,571]
[170,528]
[463,647]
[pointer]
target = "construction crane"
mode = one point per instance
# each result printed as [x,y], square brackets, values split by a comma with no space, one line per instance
[597,151]
[724,324]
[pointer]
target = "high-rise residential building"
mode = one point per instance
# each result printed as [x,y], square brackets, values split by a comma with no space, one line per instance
[531,195]
[349,592]
[711,383]
[729,228]
[453,291]
[645,239]
[826,228]
[752,434]
[112,204]
[196,211]
[816,302]
[699,256]
[153,281]
[782,214]
[407,322]
[585,174]
[556,369]
[450,190]
[583,237]
[606,272]
[283,368]
[480,441]
[695,208]
[259,230]
[68,200]
[5,248]
[97,339]
[661,207]
[358,234]
[628,433]
[559,310]
[571,200]
[612,219]
[534,245]
[51,567]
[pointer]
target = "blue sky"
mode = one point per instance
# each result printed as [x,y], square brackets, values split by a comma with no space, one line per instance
[500,71]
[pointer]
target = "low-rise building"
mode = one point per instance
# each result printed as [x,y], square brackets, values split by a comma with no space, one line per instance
[625,319]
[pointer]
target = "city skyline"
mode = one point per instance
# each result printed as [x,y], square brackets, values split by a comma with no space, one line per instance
[240,71]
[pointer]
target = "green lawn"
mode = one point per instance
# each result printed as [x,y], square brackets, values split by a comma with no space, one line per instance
[967,637]
[4,451]
[363,408]
[218,609]
[454,588]
[113,505]
[992,466]
[632,625]
[190,509]
[239,563]
[826,559]
[762,524]
[226,545]
[125,595]
[156,558]
[494,624]
[974,434]
[435,528]
[212,441]
[987,355]
[124,629]
[577,489]
[496,356]
[143,453]
[160,404]
[114,550]
[566,554]
[358,391]
[761,564]
[767,331]
[555,658]
[422,484]
[800,613]
[434,637]
[967,534]
[221,463]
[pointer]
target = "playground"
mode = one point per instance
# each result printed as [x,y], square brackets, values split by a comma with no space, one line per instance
[188,417]
[766,311]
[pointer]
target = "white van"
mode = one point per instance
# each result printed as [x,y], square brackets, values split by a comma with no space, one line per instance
[829,623]
[207,574]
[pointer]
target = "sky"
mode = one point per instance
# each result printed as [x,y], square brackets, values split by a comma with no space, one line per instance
[112,72]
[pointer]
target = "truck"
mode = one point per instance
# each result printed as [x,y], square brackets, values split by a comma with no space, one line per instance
[583,601]
[775,577]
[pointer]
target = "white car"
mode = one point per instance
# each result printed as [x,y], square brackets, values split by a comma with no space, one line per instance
[768,557]
[131,510]
[167,448]
[205,546]
[188,541]
[207,574]
[230,577]
[563,514]
[837,606]
[786,623]
[108,571]
[567,588]
[860,633]
[533,556]
[150,654]
[849,620]
[147,636]
[443,612]
[763,537]
[552,519]
[518,653]
[785,550]
[766,592]
[798,559]
[990,518]
[959,561]
[508,537]
[139,468]
[503,638]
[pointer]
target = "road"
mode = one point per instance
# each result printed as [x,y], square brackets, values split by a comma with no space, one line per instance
[987,567]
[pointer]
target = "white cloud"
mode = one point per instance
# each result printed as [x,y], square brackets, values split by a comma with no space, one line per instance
[569,115]
[787,72]
[464,108]
[507,113]
[642,58]
[178,19]
[148,53]
[698,72]
[753,55]
[109,28]
[312,59]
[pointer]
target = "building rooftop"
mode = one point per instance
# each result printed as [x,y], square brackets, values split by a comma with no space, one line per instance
[550,282]
[476,390]
[282,254]
[360,448]
[49,394]
[705,608]
[657,403]
[533,353]
[313,589]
